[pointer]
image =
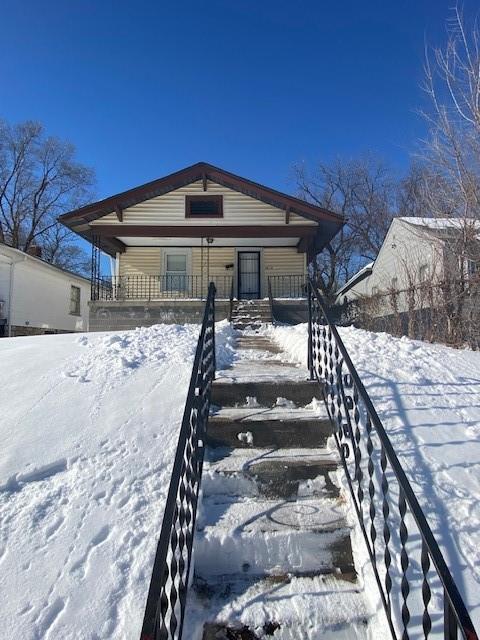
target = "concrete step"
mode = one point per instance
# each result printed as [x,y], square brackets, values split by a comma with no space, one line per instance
[285,607]
[251,304]
[241,326]
[283,478]
[261,313]
[265,433]
[282,473]
[240,323]
[257,346]
[220,551]
[230,393]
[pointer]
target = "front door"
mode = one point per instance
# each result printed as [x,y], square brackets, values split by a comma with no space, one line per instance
[249,274]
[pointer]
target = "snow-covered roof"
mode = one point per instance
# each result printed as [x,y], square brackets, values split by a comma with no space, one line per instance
[11,252]
[437,224]
[363,273]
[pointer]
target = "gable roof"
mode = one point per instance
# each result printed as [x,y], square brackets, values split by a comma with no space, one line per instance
[79,220]
[9,251]
[198,171]
[361,274]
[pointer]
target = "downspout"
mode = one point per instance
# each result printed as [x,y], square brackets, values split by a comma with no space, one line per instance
[10,292]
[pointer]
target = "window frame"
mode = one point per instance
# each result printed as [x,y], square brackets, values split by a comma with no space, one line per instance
[423,270]
[189,199]
[77,301]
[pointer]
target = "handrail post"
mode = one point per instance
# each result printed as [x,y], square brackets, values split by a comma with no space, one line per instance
[310,344]
[449,623]
[230,310]
[270,296]
[213,332]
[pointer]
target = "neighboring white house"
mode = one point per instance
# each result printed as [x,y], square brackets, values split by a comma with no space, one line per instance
[415,252]
[37,297]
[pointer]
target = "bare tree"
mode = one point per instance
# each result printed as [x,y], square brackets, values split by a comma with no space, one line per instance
[452,150]
[364,192]
[40,179]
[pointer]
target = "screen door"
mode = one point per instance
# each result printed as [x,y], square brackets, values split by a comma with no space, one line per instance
[248,274]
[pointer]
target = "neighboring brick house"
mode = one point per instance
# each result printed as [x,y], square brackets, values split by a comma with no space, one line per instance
[37,297]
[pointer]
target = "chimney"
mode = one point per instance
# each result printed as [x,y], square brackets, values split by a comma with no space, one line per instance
[35,251]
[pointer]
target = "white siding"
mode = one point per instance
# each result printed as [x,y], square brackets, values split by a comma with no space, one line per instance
[140,261]
[404,250]
[169,209]
[41,294]
[283,261]
[218,260]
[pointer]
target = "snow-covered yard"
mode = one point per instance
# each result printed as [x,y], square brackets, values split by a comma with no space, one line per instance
[428,397]
[88,427]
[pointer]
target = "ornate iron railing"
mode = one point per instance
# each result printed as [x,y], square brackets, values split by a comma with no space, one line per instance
[287,286]
[418,593]
[166,287]
[165,608]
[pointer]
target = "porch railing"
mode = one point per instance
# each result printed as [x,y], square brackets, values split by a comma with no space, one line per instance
[287,286]
[406,560]
[166,287]
[165,608]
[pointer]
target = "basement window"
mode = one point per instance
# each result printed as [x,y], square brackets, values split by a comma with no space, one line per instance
[204,206]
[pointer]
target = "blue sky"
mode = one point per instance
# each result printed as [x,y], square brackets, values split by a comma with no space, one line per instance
[144,88]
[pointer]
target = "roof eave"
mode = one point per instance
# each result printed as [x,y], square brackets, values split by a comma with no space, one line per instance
[186,176]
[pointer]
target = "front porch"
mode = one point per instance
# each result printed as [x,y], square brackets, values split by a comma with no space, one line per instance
[126,302]
[147,288]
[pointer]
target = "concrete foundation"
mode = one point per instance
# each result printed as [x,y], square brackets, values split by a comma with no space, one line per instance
[108,316]
[292,311]
[18,330]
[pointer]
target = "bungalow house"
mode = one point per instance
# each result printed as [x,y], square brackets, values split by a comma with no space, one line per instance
[37,297]
[417,252]
[424,283]
[169,238]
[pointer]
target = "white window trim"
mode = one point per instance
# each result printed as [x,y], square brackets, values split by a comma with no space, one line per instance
[177,251]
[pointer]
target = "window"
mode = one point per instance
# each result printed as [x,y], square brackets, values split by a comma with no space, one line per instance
[204,206]
[176,271]
[423,273]
[176,262]
[374,291]
[472,268]
[394,284]
[74,301]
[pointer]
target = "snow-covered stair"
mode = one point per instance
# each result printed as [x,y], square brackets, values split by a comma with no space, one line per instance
[272,550]
[250,314]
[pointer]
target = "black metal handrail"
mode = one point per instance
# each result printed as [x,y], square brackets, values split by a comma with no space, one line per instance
[230,303]
[270,296]
[165,608]
[166,287]
[382,495]
[288,286]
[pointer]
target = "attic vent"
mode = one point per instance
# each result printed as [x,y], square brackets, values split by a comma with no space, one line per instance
[203,206]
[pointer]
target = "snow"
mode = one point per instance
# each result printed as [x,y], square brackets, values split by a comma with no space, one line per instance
[89,429]
[442,223]
[428,397]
